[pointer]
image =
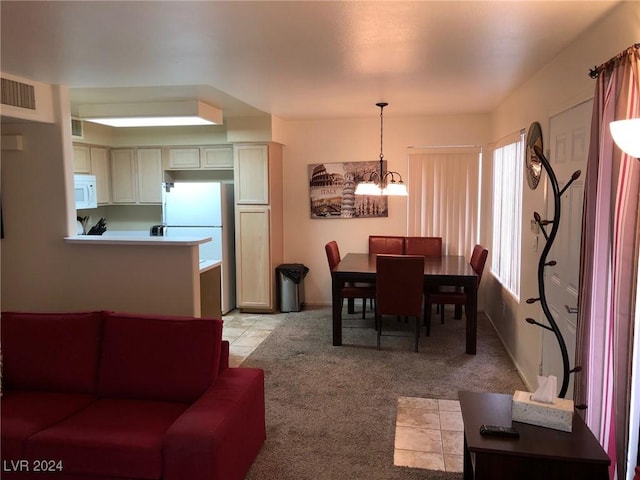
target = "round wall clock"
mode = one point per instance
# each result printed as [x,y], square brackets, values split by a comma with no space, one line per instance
[532,162]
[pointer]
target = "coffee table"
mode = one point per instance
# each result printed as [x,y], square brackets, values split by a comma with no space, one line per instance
[539,453]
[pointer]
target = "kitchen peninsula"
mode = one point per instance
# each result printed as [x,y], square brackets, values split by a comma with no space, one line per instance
[197,282]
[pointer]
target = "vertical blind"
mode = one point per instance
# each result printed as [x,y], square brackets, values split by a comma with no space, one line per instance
[508,163]
[444,186]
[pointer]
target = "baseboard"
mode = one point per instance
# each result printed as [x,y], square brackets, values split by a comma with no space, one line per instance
[530,387]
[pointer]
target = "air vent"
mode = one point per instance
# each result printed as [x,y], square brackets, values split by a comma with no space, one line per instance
[18,94]
[76,128]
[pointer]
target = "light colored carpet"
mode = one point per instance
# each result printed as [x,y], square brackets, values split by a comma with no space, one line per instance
[331,411]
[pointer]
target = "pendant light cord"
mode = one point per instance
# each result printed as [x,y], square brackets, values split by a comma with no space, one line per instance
[381,130]
[381,105]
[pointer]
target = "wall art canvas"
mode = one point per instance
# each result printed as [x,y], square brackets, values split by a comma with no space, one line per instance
[332,187]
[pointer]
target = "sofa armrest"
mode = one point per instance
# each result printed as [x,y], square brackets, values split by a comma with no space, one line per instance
[224,356]
[219,436]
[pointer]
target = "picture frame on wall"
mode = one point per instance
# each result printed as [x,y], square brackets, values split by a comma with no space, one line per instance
[332,191]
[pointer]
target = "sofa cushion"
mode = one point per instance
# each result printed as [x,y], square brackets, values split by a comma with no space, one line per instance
[159,358]
[220,435]
[50,351]
[111,437]
[25,413]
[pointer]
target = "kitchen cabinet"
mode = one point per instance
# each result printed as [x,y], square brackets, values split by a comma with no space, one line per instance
[136,176]
[94,160]
[100,168]
[200,158]
[81,159]
[216,158]
[251,164]
[184,158]
[123,176]
[259,235]
[149,175]
[254,288]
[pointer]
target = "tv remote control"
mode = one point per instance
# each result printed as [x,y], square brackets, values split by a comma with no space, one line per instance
[499,431]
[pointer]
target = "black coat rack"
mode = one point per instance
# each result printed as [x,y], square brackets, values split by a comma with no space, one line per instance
[550,237]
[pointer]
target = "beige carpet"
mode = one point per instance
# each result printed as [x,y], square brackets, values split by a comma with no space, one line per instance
[331,411]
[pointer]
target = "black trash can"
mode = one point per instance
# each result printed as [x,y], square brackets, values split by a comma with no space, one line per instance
[291,286]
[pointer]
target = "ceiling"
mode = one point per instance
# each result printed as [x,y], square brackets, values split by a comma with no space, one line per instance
[292,59]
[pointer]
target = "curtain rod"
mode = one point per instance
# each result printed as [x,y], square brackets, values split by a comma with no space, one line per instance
[595,71]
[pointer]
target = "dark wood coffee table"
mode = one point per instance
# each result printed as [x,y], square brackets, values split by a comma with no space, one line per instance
[539,453]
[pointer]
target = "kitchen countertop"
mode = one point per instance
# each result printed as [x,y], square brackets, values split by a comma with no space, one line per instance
[130,238]
[206,265]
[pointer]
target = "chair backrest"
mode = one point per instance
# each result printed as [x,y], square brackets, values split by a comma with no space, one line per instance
[399,284]
[333,254]
[386,245]
[478,259]
[427,246]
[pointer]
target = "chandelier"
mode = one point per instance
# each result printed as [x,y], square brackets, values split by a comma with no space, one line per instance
[382,183]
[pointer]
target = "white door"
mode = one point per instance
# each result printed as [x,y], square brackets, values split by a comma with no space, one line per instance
[568,147]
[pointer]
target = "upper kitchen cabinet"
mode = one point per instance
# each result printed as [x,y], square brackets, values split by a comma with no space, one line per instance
[251,174]
[123,176]
[100,168]
[81,159]
[150,177]
[136,176]
[200,158]
[182,158]
[217,158]
[95,161]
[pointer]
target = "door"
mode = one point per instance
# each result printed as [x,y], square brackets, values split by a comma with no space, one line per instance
[569,133]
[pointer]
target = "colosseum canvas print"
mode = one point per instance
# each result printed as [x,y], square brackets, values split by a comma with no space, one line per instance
[332,187]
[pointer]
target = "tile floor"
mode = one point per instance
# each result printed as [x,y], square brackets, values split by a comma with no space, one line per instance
[246,331]
[429,432]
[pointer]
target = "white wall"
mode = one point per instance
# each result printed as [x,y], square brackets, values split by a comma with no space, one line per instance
[348,140]
[561,84]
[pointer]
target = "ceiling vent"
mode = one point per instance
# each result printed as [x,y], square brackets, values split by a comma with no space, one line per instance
[18,94]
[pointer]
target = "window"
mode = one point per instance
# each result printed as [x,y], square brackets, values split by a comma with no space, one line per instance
[508,163]
[444,196]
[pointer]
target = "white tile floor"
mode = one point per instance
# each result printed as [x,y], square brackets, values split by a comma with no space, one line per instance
[429,432]
[246,331]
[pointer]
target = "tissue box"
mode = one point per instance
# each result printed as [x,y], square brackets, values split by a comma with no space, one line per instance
[557,415]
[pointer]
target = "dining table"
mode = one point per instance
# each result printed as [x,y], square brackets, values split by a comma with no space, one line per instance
[445,270]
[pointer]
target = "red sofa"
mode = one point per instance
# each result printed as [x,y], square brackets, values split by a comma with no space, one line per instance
[103,395]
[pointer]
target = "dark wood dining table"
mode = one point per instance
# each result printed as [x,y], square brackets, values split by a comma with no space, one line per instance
[447,270]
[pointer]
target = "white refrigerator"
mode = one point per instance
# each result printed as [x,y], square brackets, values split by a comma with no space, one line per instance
[205,209]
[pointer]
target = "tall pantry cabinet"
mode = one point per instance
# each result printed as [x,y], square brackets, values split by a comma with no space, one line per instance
[259,224]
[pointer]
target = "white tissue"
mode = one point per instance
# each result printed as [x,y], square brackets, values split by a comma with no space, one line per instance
[547,389]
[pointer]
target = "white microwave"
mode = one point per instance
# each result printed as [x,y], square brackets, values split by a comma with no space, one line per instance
[85,191]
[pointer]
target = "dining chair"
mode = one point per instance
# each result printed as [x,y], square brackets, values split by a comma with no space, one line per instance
[386,244]
[399,288]
[427,246]
[349,291]
[455,296]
